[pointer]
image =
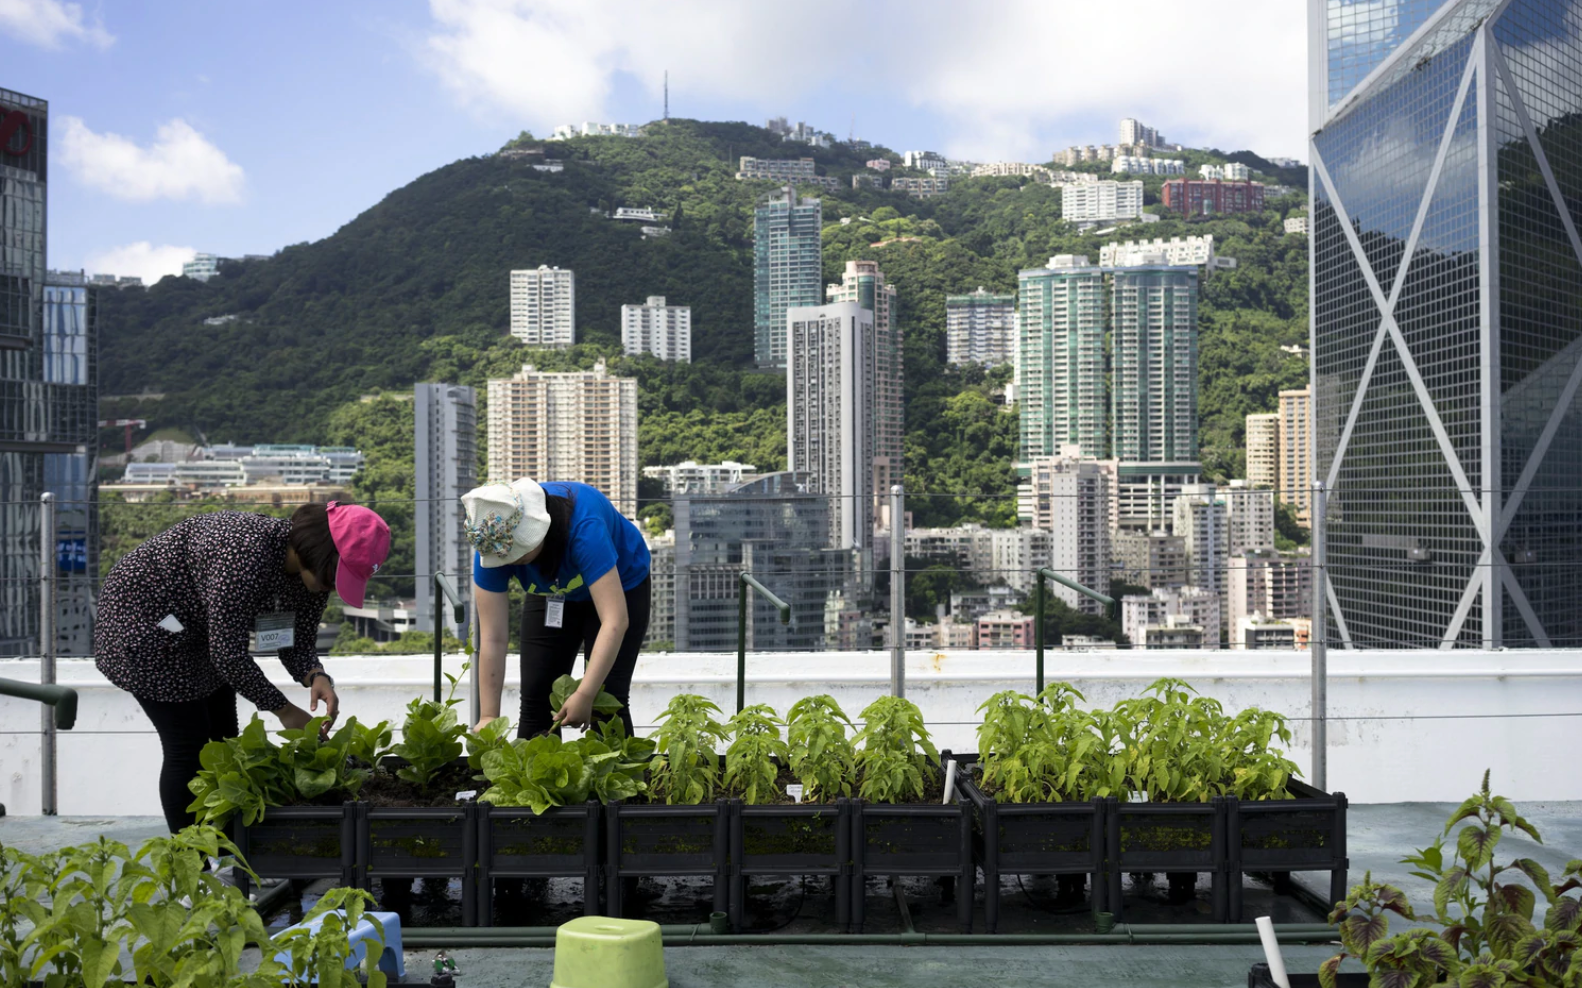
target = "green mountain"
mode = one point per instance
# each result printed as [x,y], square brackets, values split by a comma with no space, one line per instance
[416,289]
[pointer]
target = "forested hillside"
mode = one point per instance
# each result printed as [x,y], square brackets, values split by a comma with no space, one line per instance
[416,289]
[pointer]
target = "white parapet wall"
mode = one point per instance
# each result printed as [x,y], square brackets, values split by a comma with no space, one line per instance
[1404,726]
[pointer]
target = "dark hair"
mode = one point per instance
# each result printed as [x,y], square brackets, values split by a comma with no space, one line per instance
[554,545]
[315,547]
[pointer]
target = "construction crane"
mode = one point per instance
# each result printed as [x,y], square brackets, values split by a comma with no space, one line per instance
[128,423]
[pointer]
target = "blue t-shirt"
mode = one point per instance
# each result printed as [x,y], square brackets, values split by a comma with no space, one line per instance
[600,540]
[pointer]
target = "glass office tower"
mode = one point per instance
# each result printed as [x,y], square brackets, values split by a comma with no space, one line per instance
[1447,319]
[788,269]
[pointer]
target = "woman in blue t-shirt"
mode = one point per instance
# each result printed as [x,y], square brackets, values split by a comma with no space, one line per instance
[585,570]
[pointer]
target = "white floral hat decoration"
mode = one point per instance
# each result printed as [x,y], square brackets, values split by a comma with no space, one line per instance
[505,521]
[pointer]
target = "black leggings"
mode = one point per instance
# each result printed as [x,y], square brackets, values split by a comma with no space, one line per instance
[549,653]
[184,728]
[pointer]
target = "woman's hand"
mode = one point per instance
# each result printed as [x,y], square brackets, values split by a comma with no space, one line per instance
[292,717]
[323,688]
[577,711]
[482,723]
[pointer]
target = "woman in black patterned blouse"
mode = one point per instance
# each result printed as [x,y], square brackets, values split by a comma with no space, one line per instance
[175,615]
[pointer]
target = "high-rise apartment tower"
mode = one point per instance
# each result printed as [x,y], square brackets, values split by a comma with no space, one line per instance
[445,457]
[787,268]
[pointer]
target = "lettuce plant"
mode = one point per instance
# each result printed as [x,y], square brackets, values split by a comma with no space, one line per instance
[687,767]
[821,754]
[896,751]
[431,738]
[249,773]
[752,762]
[542,772]
[604,705]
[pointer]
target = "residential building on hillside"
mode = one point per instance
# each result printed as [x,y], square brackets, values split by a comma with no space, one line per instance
[1172,608]
[445,461]
[1005,629]
[577,426]
[229,465]
[1135,132]
[1296,451]
[878,164]
[920,188]
[658,328]
[1150,559]
[980,328]
[637,214]
[780,170]
[202,267]
[1012,168]
[1061,360]
[1296,224]
[1097,202]
[775,529]
[662,590]
[566,132]
[1126,164]
[1263,450]
[1069,497]
[1192,197]
[1269,584]
[689,477]
[1231,171]
[969,605]
[544,307]
[830,413]
[863,283]
[787,268]
[1175,251]
[1249,511]
[1202,519]
[924,160]
[995,556]
[1258,632]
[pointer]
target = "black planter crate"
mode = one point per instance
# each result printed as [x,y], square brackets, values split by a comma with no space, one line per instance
[561,842]
[658,841]
[406,842]
[1174,838]
[1259,977]
[894,839]
[1279,836]
[788,840]
[302,842]
[1033,839]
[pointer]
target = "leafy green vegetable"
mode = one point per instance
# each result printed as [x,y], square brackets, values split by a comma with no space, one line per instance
[821,754]
[249,773]
[753,760]
[687,769]
[431,738]
[492,736]
[896,751]
[604,764]
[604,705]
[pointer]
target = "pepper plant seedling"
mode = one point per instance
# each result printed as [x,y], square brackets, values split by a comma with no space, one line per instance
[687,767]
[752,762]
[896,751]
[821,753]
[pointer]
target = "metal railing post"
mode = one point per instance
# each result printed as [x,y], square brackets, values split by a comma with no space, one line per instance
[60,702]
[48,754]
[1044,572]
[442,585]
[897,592]
[1318,639]
[748,581]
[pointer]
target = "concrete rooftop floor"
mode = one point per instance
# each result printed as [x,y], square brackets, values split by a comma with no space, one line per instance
[1379,835]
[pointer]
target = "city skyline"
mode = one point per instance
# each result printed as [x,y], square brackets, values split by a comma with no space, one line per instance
[166,93]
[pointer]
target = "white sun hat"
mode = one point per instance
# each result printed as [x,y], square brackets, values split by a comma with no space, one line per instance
[505,521]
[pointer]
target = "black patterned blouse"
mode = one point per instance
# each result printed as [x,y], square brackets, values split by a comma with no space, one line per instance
[216,573]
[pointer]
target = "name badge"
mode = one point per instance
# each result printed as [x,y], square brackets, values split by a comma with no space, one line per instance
[276,630]
[555,612]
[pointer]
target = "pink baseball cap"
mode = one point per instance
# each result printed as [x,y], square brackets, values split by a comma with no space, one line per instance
[363,541]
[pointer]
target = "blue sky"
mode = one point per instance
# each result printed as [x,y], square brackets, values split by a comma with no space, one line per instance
[243,126]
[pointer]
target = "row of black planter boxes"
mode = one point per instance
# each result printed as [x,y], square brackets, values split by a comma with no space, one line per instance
[848,841]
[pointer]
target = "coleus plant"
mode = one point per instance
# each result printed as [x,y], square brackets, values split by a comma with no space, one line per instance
[752,762]
[1488,935]
[896,751]
[686,768]
[821,753]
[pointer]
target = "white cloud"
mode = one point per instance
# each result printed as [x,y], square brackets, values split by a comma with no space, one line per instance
[49,23]
[140,259]
[180,164]
[1013,80]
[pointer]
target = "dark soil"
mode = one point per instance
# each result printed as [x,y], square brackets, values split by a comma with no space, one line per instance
[785,778]
[385,789]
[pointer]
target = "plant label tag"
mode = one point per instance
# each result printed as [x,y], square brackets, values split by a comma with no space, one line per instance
[466,794]
[170,624]
[795,792]
[1135,796]
[555,612]
[276,630]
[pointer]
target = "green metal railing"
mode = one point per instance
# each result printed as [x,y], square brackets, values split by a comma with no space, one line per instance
[442,585]
[62,698]
[1041,595]
[748,581]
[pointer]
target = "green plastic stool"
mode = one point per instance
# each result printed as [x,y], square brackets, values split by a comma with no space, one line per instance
[600,952]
